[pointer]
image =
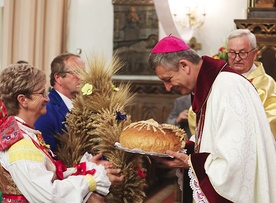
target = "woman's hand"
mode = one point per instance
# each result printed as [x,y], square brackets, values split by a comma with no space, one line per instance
[97,159]
[113,176]
[95,198]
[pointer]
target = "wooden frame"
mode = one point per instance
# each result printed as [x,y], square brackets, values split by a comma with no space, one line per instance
[261,3]
[135,34]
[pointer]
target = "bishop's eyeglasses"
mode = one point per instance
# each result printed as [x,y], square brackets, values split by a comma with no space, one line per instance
[242,54]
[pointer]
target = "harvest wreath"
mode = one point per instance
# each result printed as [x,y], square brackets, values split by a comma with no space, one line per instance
[95,124]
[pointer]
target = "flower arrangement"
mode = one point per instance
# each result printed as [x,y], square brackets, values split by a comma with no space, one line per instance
[222,54]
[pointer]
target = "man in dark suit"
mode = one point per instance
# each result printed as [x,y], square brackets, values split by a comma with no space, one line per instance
[65,86]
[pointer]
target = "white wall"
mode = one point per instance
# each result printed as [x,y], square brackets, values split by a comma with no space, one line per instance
[219,22]
[91,25]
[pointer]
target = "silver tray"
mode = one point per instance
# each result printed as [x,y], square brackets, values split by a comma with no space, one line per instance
[139,151]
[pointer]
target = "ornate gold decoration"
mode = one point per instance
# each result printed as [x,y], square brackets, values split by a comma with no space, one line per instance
[267,28]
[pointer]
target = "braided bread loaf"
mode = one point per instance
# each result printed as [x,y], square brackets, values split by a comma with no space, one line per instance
[151,136]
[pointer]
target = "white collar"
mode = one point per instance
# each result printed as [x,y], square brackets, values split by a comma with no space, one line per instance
[251,69]
[68,102]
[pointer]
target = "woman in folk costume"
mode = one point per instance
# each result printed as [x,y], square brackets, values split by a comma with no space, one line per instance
[28,173]
[234,157]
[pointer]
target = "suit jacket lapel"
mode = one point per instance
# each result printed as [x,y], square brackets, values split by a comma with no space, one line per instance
[58,103]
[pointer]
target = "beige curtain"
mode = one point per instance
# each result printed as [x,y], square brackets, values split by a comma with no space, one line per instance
[34,31]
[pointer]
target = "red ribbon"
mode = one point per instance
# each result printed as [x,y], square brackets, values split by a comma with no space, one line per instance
[3,111]
[81,170]
[60,168]
[14,198]
[141,173]
[2,120]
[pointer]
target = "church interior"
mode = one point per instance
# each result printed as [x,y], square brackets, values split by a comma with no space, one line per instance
[37,31]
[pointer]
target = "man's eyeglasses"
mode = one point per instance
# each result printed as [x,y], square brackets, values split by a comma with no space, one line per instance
[242,54]
[44,94]
[67,71]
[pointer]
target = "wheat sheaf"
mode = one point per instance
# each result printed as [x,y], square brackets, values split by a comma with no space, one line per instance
[93,125]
